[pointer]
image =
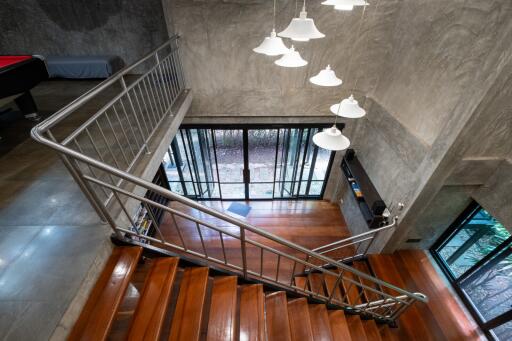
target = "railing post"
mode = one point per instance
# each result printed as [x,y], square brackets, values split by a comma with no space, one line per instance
[244,251]
[145,145]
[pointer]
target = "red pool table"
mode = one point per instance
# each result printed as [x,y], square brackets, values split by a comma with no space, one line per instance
[19,74]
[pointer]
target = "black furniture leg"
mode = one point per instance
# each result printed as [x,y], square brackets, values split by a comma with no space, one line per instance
[27,106]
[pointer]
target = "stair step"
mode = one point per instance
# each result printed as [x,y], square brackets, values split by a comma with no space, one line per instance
[222,324]
[301,282]
[188,315]
[355,325]
[252,312]
[371,330]
[300,325]
[339,326]
[107,294]
[353,296]
[149,316]
[320,322]
[277,321]
[316,283]
[330,285]
[368,294]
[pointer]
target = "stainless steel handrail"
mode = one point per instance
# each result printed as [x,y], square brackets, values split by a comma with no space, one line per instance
[88,170]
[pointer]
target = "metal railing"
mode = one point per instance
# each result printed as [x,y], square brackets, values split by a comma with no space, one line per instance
[103,151]
[355,247]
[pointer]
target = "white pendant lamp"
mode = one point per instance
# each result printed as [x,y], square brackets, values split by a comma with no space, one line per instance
[331,139]
[349,108]
[302,28]
[326,77]
[291,59]
[345,5]
[272,45]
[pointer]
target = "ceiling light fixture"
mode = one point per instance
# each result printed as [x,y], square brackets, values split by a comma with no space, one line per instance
[331,139]
[349,107]
[291,59]
[326,77]
[272,45]
[302,28]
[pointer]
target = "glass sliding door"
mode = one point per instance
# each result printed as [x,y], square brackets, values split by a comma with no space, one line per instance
[242,163]
[476,254]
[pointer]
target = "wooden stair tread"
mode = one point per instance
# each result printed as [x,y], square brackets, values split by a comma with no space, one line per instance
[355,326]
[188,315]
[301,282]
[222,323]
[339,326]
[277,321]
[252,312]
[368,294]
[99,311]
[353,296]
[298,315]
[316,283]
[320,322]
[371,330]
[330,285]
[386,333]
[149,316]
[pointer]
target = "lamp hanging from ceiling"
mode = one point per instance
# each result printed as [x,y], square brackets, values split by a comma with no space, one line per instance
[349,107]
[272,45]
[302,28]
[291,59]
[326,77]
[345,5]
[331,139]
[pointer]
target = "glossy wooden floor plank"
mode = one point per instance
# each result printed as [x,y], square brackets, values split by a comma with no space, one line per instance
[371,330]
[188,315]
[386,334]
[355,326]
[339,326]
[252,313]
[298,315]
[149,316]
[411,322]
[320,322]
[442,306]
[99,311]
[223,319]
[276,319]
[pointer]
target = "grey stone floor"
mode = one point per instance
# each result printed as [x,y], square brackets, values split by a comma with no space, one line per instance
[49,234]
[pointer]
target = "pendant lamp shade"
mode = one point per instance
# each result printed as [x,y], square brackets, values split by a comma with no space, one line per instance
[272,45]
[349,108]
[291,59]
[301,28]
[331,139]
[340,5]
[326,77]
[360,3]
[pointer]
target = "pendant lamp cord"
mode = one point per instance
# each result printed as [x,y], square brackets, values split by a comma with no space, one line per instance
[354,45]
[368,37]
[274,20]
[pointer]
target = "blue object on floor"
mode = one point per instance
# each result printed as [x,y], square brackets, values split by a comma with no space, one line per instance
[239,209]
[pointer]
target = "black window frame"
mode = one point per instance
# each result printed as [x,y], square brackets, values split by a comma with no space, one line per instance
[471,210]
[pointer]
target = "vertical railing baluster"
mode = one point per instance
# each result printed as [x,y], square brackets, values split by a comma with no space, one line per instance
[336,285]
[135,116]
[162,78]
[121,148]
[244,253]
[151,116]
[202,241]
[93,173]
[179,232]
[155,221]
[152,103]
[223,248]
[293,272]
[261,262]
[123,207]
[172,85]
[128,141]
[108,145]
[141,112]
[135,138]
[158,93]
[98,153]
[277,270]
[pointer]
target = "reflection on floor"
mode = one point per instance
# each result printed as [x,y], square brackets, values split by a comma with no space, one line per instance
[49,235]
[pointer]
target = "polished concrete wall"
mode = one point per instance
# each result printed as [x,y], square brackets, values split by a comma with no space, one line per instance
[126,28]
[422,70]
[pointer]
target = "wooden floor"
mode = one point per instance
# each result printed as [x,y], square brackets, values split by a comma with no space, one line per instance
[307,223]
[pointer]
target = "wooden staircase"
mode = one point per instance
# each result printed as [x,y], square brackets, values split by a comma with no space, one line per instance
[137,298]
